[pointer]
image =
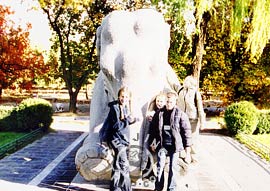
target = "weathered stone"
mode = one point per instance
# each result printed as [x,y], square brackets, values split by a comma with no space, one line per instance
[133,51]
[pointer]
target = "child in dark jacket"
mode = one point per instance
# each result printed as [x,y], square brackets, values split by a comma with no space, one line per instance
[148,156]
[170,134]
[119,119]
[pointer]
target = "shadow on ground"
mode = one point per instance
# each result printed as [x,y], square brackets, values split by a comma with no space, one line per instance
[216,131]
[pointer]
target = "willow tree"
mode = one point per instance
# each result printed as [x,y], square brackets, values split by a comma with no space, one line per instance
[234,72]
[190,18]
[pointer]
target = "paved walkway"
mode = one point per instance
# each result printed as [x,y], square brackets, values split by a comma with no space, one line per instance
[48,163]
[229,166]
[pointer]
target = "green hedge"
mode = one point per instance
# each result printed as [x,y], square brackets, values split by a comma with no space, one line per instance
[5,111]
[241,117]
[29,115]
[5,118]
[34,113]
[264,123]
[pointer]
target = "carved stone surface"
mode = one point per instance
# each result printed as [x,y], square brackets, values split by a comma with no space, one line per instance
[133,51]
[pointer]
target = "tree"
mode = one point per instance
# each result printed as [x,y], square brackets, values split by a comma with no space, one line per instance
[182,14]
[74,24]
[19,63]
[231,72]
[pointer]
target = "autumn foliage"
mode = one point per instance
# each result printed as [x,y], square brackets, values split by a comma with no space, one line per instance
[19,63]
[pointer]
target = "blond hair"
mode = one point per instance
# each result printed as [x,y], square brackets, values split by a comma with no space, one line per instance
[172,94]
[160,95]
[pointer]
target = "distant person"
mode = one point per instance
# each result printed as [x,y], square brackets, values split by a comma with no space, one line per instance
[117,122]
[59,107]
[190,101]
[170,134]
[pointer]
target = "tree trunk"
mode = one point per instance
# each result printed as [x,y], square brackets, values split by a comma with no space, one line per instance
[198,47]
[73,101]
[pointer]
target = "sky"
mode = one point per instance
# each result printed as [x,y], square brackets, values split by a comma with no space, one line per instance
[40,32]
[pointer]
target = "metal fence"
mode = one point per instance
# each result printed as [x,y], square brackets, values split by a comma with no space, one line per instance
[19,143]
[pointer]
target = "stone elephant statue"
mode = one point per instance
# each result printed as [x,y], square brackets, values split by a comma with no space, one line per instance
[133,51]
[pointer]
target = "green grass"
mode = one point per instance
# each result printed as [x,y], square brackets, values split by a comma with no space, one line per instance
[7,137]
[249,141]
[264,139]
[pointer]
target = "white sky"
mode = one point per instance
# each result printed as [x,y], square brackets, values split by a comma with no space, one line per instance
[40,32]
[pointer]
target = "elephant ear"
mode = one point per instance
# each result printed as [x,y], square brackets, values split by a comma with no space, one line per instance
[109,90]
[104,132]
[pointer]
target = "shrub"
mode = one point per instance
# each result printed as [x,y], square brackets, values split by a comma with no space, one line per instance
[33,113]
[5,117]
[241,117]
[5,111]
[264,123]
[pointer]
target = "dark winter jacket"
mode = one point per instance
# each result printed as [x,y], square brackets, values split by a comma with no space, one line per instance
[118,129]
[180,126]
